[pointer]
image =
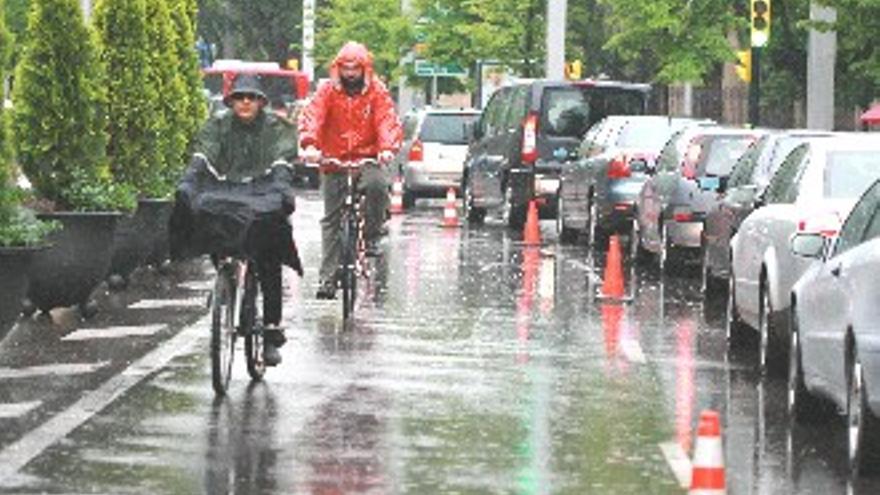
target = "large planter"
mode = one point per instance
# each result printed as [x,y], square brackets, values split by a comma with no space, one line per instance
[14,265]
[159,212]
[68,272]
[138,240]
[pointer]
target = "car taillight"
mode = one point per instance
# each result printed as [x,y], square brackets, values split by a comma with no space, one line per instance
[530,139]
[619,168]
[416,152]
[825,224]
[682,214]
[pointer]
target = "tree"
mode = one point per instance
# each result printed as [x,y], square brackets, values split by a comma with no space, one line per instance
[135,121]
[858,56]
[379,24]
[252,30]
[193,109]
[58,121]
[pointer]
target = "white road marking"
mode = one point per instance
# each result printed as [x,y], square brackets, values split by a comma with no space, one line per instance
[51,369]
[633,351]
[16,456]
[679,463]
[168,303]
[14,410]
[197,285]
[114,332]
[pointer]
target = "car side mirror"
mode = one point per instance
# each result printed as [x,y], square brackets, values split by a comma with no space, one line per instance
[808,245]
[473,130]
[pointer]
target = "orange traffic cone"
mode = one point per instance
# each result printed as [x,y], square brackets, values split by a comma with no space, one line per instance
[707,474]
[450,212]
[531,230]
[397,195]
[612,285]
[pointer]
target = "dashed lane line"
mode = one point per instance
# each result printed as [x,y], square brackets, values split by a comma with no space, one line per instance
[51,369]
[16,456]
[679,463]
[633,351]
[18,409]
[114,332]
[168,303]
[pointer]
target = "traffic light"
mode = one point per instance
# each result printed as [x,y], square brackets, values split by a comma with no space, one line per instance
[760,22]
[744,64]
[573,70]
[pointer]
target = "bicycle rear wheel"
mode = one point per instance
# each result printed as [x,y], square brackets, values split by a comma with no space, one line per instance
[252,331]
[349,267]
[223,333]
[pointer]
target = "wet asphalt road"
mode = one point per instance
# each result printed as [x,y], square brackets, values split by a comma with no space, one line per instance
[474,365]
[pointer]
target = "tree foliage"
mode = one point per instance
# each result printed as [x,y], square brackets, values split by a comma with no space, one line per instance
[58,121]
[379,24]
[252,30]
[193,108]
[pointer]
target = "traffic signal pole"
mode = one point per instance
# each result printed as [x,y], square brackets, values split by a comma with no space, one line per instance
[555,61]
[755,89]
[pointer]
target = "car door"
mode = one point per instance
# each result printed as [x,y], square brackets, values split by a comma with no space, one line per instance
[650,201]
[478,165]
[829,297]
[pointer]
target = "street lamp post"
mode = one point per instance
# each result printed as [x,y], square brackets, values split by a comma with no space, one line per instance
[555,64]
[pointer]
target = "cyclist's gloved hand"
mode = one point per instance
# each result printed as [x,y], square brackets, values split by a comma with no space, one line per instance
[385,157]
[310,154]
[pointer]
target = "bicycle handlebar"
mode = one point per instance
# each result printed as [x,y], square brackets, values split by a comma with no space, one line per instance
[361,162]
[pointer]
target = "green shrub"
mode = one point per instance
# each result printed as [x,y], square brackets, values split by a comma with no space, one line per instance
[20,227]
[58,119]
[194,108]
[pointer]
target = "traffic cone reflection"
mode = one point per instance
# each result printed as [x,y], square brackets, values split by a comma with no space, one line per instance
[612,285]
[397,195]
[531,230]
[450,212]
[707,474]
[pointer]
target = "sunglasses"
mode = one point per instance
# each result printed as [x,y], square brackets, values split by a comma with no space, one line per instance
[245,96]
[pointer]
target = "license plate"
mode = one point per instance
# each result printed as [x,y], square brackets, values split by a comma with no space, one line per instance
[546,186]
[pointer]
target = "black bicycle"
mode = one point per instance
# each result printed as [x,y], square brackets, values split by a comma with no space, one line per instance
[234,314]
[353,257]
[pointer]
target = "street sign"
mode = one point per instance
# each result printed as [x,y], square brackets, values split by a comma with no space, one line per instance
[425,68]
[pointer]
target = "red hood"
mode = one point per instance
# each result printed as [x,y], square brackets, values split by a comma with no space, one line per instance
[353,52]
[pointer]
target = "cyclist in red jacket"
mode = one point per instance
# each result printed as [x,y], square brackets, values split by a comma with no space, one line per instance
[350,117]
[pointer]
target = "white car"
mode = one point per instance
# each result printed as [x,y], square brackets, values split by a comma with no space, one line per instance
[434,150]
[813,191]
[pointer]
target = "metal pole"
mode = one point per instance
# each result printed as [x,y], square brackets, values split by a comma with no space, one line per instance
[755,89]
[555,64]
[86,6]
[434,89]
[308,39]
[821,55]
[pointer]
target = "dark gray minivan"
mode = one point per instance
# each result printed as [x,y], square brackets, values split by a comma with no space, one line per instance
[527,133]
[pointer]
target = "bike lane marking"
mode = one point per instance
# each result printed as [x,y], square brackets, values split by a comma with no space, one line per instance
[51,369]
[18,454]
[18,409]
[678,461]
[114,332]
[169,303]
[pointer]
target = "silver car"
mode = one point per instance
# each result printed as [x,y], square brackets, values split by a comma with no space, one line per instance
[812,191]
[434,150]
[835,327]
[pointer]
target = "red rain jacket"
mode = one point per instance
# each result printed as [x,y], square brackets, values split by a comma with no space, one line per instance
[351,127]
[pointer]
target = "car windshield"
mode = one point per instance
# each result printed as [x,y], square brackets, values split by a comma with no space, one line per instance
[721,154]
[570,111]
[847,173]
[446,128]
[649,134]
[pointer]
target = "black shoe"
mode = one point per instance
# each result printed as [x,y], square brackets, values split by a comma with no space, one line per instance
[326,291]
[274,335]
[372,249]
[271,356]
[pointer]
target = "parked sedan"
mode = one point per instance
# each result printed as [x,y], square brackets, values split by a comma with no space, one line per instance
[598,192]
[673,202]
[835,328]
[742,194]
[812,191]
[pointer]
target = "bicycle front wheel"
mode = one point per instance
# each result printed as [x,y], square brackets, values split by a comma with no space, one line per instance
[223,333]
[349,267]
[253,335]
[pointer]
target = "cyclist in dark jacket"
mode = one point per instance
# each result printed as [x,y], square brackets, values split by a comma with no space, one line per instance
[242,142]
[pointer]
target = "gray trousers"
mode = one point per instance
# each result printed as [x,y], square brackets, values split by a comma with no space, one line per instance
[374,186]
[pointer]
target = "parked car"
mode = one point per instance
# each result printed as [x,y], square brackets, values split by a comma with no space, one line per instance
[742,194]
[674,201]
[432,157]
[598,192]
[528,133]
[835,328]
[813,190]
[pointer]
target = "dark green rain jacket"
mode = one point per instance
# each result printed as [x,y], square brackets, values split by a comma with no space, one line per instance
[239,150]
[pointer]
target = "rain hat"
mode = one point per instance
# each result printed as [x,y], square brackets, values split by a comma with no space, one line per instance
[246,84]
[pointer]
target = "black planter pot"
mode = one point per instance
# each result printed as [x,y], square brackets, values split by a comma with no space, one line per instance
[159,212]
[14,265]
[67,273]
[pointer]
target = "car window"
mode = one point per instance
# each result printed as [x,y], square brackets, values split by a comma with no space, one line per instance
[856,228]
[670,156]
[494,111]
[409,126]
[741,174]
[847,172]
[446,128]
[591,138]
[566,112]
[516,110]
[783,186]
[644,134]
[720,153]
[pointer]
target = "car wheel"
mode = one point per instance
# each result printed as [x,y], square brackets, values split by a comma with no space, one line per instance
[766,330]
[473,214]
[513,216]
[733,325]
[801,405]
[862,425]
[566,234]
